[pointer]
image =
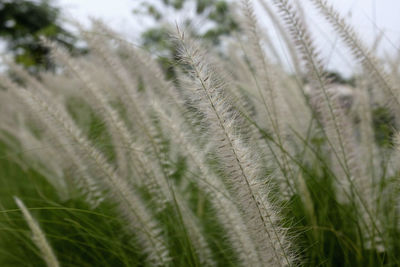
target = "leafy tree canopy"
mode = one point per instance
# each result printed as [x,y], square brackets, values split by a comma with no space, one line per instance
[215,14]
[22,22]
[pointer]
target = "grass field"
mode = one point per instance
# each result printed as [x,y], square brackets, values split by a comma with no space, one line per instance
[233,162]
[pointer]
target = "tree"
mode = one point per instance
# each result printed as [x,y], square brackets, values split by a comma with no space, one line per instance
[215,14]
[22,22]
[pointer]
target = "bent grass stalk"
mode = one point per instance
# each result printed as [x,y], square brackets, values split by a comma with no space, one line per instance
[38,236]
[216,110]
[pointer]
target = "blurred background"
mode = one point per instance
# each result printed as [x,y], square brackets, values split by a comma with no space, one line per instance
[144,23]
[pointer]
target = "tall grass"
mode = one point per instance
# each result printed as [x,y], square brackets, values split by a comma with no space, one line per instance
[234,162]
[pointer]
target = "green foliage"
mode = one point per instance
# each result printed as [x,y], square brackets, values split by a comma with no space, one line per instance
[385,127]
[216,13]
[82,236]
[22,22]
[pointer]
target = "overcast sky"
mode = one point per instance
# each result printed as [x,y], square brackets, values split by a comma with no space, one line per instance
[367,16]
